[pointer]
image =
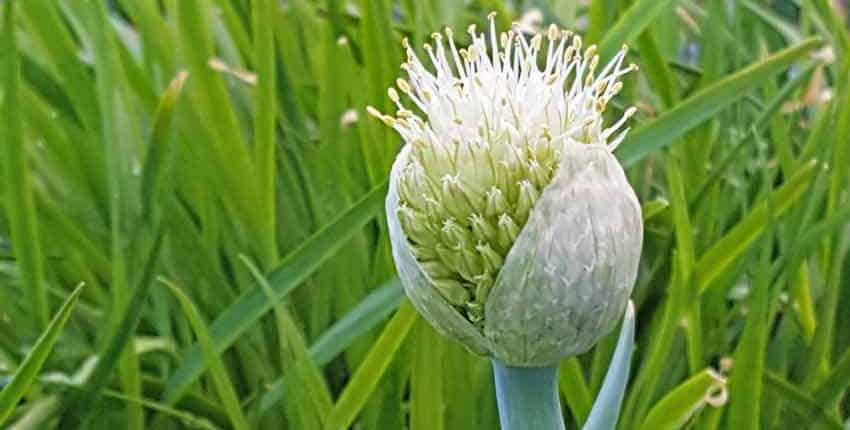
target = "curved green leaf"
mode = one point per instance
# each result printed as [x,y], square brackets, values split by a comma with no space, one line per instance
[683,402]
[698,108]
[301,372]
[78,405]
[18,199]
[366,378]
[632,23]
[157,159]
[28,370]
[366,315]
[211,359]
[606,408]
[745,410]
[362,318]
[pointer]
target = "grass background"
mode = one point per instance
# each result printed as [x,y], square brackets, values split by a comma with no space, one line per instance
[206,170]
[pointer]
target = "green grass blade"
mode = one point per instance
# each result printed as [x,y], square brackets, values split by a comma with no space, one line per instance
[632,23]
[674,410]
[265,109]
[718,259]
[225,388]
[78,405]
[38,415]
[804,307]
[599,15]
[655,359]
[158,157]
[788,31]
[20,207]
[290,273]
[235,30]
[836,383]
[369,373]
[365,316]
[28,370]
[186,418]
[770,110]
[693,111]
[232,171]
[191,420]
[658,72]
[814,236]
[158,55]
[48,27]
[359,320]
[837,30]
[121,142]
[834,252]
[802,404]
[744,390]
[685,255]
[427,397]
[830,391]
[316,403]
[381,57]
[574,389]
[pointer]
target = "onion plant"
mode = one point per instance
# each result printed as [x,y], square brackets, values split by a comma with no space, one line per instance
[257,251]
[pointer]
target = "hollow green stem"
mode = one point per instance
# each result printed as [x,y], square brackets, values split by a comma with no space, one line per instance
[528,397]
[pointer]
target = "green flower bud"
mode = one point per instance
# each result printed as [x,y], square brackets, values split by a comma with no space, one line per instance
[514,228]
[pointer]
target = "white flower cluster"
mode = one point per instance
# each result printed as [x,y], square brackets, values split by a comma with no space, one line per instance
[491,129]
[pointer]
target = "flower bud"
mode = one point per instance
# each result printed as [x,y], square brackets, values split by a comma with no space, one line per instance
[513,226]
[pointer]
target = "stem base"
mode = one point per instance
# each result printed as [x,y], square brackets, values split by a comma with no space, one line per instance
[528,397]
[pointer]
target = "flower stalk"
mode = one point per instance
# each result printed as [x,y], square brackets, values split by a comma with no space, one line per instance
[528,397]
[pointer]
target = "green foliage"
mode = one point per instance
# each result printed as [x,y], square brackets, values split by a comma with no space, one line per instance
[29,368]
[223,145]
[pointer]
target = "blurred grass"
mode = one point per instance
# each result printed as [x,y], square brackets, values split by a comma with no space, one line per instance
[223,145]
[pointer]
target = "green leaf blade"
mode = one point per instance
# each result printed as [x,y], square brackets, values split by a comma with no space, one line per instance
[28,370]
[293,270]
[693,111]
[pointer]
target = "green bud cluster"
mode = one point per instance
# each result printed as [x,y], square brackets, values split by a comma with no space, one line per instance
[462,205]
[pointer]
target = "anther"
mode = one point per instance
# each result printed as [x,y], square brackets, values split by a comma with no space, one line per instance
[374,112]
[536,41]
[553,32]
[393,94]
